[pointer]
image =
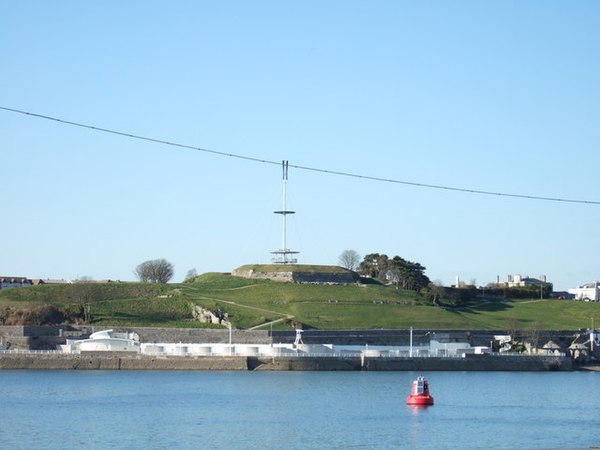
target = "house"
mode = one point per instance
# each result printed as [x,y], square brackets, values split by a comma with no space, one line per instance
[588,291]
[523,281]
[14,282]
[392,277]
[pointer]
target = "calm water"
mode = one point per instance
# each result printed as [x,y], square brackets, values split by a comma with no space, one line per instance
[297,410]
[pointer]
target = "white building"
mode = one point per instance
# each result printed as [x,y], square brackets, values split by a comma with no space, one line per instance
[523,281]
[588,291]
[103,341]
[107,341]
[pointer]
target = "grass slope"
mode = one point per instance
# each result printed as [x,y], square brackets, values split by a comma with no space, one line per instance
[261,303]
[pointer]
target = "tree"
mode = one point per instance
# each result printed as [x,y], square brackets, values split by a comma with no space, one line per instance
[406,274]
[83,294]
[374,265]
[435,292]
[349,259]
[155,271]
[411,275]
[192,273]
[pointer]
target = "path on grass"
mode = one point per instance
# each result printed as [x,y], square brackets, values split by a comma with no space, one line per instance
[262,325]
[255,308]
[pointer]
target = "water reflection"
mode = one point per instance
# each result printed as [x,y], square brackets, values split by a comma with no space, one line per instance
[417,426]
[418,409]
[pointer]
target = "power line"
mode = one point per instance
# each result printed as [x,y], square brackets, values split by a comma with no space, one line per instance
[136,136]
[312,169]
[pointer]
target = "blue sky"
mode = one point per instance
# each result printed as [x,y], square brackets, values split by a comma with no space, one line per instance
[495,96]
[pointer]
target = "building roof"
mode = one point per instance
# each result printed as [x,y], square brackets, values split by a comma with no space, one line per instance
[14,279]
[37,281]
[591,285]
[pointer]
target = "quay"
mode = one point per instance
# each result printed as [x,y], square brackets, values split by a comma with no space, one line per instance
[89,348]
[44,360]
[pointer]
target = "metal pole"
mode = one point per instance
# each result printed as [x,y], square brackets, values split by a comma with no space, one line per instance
[410,353]
[592,337]
[283,247]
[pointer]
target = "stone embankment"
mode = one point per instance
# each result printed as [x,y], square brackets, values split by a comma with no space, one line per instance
[114,361]
[25,338]
[58,361]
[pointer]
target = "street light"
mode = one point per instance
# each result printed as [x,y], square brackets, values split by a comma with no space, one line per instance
[592,337]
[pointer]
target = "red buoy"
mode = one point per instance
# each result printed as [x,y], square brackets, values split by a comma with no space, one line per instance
[419,394]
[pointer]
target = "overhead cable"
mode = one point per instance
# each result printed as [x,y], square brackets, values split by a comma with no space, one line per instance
[312,169]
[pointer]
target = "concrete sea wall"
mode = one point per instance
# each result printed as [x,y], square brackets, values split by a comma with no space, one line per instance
[57,361]
[475,363]
[108,361]
[24,338]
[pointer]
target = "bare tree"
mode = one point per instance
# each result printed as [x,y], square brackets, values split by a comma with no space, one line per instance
[83,294]
[349,259]
[192,273]
[436,292]
[155,271]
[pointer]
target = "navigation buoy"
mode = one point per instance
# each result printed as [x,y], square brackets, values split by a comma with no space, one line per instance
[419,394]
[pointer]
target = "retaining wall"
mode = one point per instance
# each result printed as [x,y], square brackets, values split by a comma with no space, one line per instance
[47,338]
[104,361]
[346,277]
[117,362]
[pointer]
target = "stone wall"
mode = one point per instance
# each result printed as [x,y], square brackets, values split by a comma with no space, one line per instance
[118,362]
[47,337]
[300,277]
[325,278]
[104,361]
[198,335]
[472,363]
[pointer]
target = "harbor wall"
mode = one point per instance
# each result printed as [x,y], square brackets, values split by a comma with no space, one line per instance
[59,361]
[108,361]
[473,363]
[469,363]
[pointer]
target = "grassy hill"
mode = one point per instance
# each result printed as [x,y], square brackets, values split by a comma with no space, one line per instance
[260,303]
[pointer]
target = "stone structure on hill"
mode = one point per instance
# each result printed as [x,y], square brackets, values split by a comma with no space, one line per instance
[298,273]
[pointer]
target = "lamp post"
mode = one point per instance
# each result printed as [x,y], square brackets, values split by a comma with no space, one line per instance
[592,337]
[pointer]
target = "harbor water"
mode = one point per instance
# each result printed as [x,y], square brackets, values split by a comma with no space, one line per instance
[297,410]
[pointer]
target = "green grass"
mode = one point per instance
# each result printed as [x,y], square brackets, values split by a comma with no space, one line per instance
[255,303]
[532,314]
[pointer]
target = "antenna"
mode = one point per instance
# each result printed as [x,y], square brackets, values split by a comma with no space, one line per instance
[284,255]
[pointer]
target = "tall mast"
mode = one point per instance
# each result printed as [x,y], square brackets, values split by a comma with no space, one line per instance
[284,211]
[284,255]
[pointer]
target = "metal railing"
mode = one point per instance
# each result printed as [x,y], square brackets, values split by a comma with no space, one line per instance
[30,352]
[337,355]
